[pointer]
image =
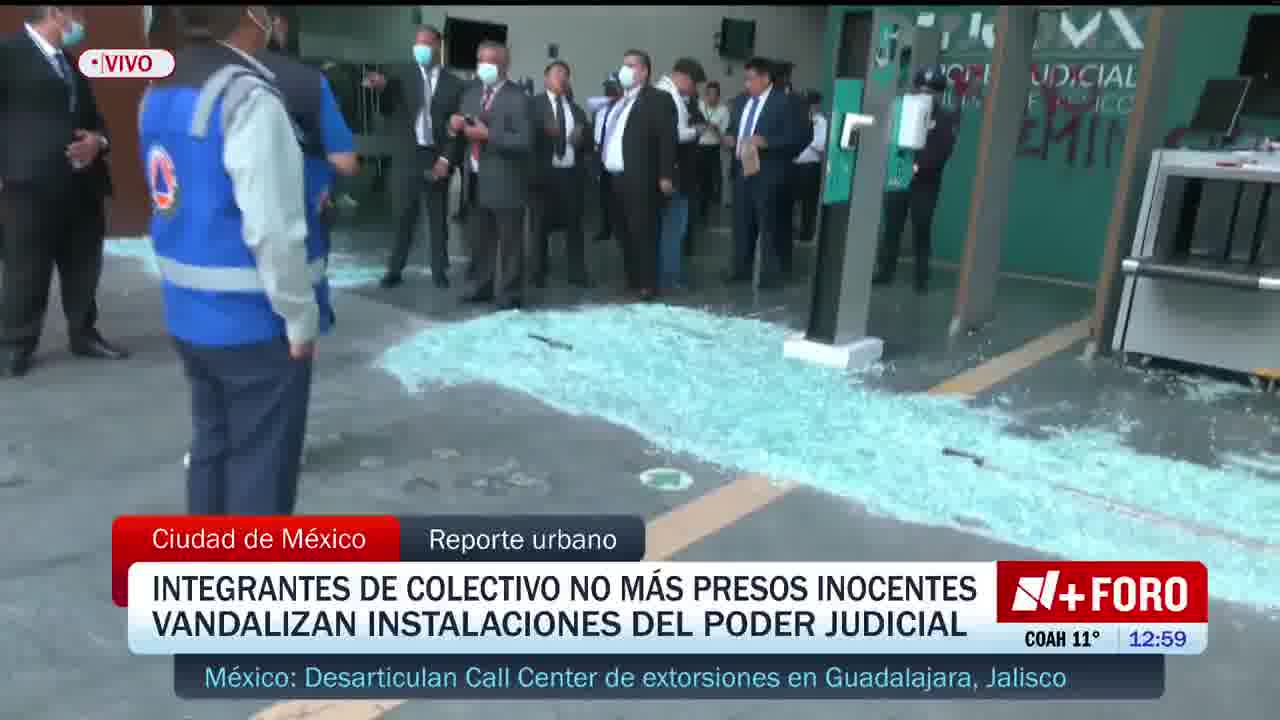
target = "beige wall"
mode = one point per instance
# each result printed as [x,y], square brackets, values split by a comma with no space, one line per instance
[590,38]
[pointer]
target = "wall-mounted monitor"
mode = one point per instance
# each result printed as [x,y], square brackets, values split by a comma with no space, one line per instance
[737,39]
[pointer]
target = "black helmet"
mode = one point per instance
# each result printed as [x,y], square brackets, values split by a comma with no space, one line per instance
[931,77]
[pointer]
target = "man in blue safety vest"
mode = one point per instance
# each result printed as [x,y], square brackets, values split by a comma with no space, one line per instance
[244,285]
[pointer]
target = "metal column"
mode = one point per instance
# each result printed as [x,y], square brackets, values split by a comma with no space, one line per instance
[842,285]
[1144,135]
[1002,115]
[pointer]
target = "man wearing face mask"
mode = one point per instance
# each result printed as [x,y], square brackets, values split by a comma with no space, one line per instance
[682,85]
[639,154]
[495,123]
[419,99]
[53,180]
[244,282]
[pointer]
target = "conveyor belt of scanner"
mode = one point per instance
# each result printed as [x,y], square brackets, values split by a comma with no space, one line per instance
[1201,271]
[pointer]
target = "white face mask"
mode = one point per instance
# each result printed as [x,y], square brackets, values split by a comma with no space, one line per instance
[487,72]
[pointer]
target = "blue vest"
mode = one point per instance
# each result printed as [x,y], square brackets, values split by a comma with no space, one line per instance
[213,294]
[301,88]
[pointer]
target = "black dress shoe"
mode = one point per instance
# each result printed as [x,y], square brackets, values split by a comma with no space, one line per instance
[93,345]
[581,281]
[511,303]
[391,279]
[540,281]
[15,361]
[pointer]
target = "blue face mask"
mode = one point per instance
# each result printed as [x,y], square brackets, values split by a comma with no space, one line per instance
[487,72]
[626,77]
[73,35]
[422,54]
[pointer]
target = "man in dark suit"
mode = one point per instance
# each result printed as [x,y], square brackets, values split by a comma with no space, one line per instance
[419,99]
[788,191]
[561,141]
[762,119]
[494,121]
[54,182]
[639,154]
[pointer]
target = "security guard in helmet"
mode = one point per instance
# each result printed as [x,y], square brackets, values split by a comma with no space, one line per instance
[244,287]
[920,200]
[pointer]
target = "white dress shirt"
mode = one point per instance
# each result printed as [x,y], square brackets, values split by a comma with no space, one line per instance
[617,128]
[684,131]
[422,126]
[717,117]
[744,132]
[568,159]
[817,144]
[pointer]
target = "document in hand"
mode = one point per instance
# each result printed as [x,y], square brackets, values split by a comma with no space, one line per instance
[750,160]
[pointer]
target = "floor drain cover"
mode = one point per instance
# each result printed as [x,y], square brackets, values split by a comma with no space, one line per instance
[666,479]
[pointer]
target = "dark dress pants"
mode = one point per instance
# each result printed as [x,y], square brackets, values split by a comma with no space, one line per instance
[420,188]
[44,230]
[920,201]
[249,416]
[558,206]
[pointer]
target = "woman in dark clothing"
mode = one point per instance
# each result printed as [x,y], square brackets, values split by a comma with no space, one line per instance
[920,200]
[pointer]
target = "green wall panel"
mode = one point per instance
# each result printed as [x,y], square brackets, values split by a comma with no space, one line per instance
[1084,80]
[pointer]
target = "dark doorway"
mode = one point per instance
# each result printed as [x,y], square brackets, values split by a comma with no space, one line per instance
[1259,59]
[1260,62]
[855,45]
[833,220]
[463,37]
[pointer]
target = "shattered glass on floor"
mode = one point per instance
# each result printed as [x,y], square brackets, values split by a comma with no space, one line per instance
[718,388]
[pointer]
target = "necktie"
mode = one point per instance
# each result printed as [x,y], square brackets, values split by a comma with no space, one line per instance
[484,103]
[424,116]
[562,144]
[64,69]
[604,127]
[749,125]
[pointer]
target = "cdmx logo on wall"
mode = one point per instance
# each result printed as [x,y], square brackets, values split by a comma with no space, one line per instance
[1090,54]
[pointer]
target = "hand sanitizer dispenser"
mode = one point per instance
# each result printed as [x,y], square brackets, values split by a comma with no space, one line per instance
[911,117]
[914,121]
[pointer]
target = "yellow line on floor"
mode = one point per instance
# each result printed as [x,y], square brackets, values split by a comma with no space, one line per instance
[708,514]
[1001,368]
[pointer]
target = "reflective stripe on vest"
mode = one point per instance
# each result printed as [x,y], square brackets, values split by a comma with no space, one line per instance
[225,279]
